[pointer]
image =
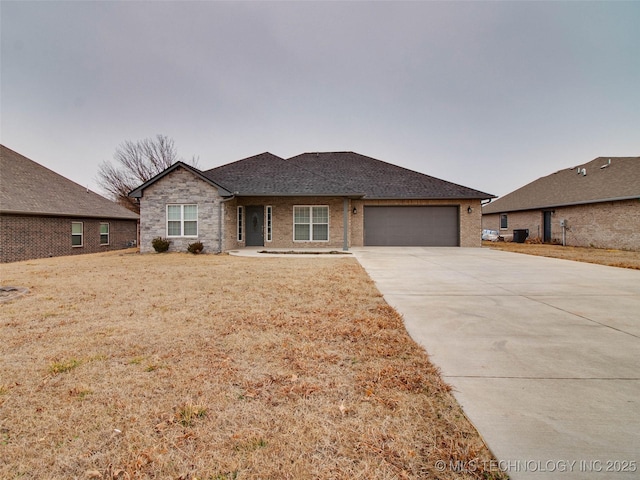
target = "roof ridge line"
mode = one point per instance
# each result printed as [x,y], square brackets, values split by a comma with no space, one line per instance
[332,181]
[243,159]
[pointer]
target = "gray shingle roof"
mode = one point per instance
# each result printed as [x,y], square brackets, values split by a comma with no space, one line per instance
[268,174]
[27,187]
[618,180]
[333,174]
[381,180]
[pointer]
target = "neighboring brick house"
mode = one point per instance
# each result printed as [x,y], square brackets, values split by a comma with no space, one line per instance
[596,204]
[43,214]
[329,200]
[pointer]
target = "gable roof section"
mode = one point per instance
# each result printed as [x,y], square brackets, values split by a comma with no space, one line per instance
[139,191]
[268,174]
[606,179]
[343,174]
[381,180]
[28,188]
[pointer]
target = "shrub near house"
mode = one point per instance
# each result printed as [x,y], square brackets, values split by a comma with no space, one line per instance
[160,245]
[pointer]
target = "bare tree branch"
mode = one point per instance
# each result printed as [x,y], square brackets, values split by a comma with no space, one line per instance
[136,163]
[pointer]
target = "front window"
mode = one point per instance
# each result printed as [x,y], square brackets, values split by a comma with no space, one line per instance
[311,224]
[240,223]
[269,223]
[182,220]
[104,234]
[504,224]
[76,234]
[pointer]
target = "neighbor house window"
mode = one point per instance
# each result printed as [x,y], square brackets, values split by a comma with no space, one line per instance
[240,223]
[311,224]
[76,234]
[503,221]
[182,220]
[104,234]
[269,223]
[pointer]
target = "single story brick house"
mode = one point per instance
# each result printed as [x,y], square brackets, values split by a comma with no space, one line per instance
[595,204]
[43,214]
[313,200]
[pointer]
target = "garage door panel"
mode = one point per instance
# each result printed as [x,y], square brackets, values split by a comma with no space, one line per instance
[411,226]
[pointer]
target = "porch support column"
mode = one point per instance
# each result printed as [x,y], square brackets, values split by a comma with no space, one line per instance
[345,226]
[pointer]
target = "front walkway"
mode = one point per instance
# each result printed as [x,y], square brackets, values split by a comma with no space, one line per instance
[543,354]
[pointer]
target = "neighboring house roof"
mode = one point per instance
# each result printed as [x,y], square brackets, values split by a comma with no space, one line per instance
[137,192]
[28,188]
[381,180]
[600,180]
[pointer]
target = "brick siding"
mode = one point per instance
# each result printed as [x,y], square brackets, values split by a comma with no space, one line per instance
[30,237]
[282,220]
[179,187]
[601,225]
[470,223]
[530,220]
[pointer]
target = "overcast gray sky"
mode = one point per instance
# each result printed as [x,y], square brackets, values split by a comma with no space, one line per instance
[490,95]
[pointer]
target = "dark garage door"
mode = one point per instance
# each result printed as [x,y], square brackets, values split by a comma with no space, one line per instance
[411,226]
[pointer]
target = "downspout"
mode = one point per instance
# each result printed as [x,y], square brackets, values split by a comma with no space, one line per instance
[220,221]
[345,226]
[138,224]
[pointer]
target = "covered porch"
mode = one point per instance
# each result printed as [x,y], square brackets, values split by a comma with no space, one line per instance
[288,223]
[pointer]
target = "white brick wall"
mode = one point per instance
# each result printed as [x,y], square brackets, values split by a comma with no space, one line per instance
[179,187]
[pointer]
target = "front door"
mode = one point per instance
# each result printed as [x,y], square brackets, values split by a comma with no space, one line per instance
[546,233]
[254,220]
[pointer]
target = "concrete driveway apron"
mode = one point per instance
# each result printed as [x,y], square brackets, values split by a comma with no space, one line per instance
[543,354]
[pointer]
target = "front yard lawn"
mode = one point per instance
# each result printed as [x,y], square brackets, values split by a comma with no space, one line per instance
[601,256]
[212,367]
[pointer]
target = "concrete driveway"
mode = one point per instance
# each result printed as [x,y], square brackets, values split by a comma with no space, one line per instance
[543,354]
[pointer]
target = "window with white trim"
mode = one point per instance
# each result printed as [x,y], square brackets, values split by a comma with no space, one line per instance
[182,220]
[240,223]
[311,223]
[104,234]
[269,223]
[504,224]
[77,234]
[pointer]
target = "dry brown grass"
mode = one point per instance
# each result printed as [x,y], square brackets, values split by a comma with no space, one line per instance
[213,367]
[601,256]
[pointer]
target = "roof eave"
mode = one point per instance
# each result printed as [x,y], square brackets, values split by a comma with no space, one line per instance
[558,205]
[454,198]
[306,194]
[70,215]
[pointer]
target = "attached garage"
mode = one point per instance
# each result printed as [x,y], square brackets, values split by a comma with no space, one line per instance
[412,226]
